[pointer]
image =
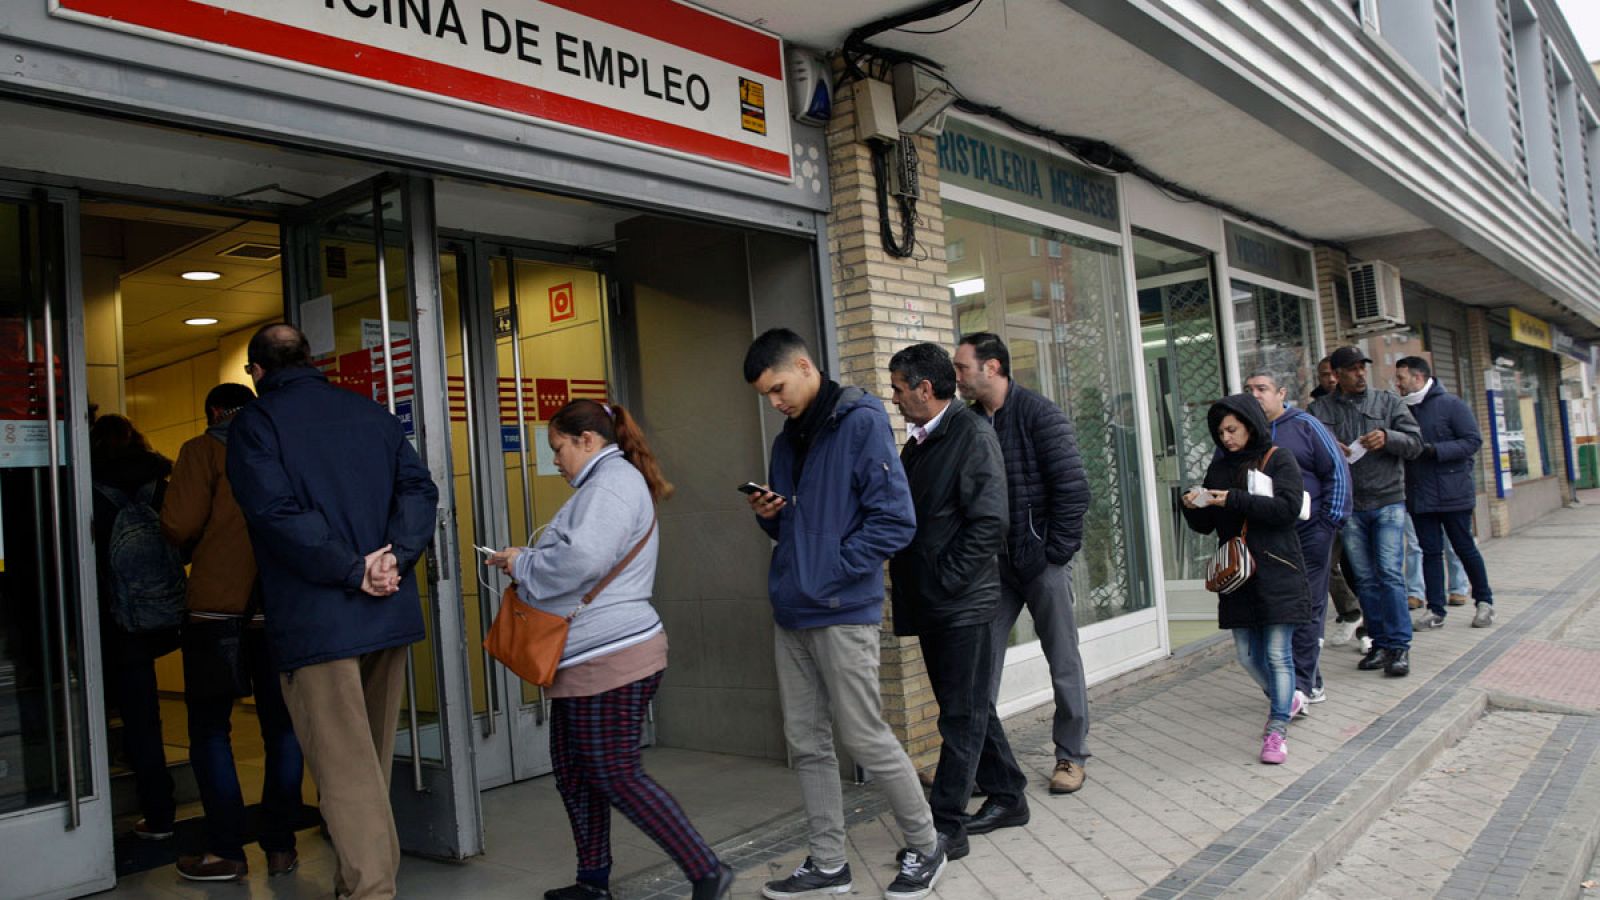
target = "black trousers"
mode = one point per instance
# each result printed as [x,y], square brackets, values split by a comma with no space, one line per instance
[959,664]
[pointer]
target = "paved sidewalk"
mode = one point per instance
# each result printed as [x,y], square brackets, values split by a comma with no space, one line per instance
[1178,805]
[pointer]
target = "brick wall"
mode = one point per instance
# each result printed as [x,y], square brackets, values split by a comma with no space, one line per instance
[882,304]
[1330,264]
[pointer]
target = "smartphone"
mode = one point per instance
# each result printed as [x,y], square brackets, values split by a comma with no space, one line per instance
[750,487]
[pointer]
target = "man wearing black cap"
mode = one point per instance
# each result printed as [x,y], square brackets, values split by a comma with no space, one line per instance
[1377,434]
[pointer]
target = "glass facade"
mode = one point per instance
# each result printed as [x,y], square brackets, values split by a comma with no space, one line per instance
[1277,334]
[1060,302]
[1522,385]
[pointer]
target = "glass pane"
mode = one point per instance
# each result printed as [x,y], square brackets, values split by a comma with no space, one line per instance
[1275,336]
[561,348]
[348,272]
[36,582]
[463,432]
[1183,373]
[1061,304]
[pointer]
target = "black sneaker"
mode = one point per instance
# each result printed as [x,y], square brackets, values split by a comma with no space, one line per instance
[809,881]
[1376,658]
[579,891]
[919,873]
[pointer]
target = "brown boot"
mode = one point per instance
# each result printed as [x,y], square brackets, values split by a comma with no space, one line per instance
[1067,778]
[1459,600]
[1415,602]
[281,862]
[212,868]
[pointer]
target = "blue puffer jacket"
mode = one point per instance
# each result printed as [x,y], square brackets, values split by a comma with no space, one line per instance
[850,512]
[1440,480]
[324,477]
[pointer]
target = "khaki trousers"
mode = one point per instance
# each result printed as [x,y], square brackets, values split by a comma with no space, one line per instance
[345,713]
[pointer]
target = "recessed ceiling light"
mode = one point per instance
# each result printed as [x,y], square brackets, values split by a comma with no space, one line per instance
[201,276]
[200,320]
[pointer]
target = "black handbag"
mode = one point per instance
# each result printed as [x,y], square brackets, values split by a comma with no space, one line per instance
[214,664]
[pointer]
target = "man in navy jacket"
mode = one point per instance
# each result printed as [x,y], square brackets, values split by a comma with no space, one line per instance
[1439,491]
[838,506]
[1327,480]
[340,508]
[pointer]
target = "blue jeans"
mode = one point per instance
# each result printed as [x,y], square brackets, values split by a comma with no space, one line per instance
[1415,586]
[1375,541]
[1266,652]
[1432,530]
[211,754]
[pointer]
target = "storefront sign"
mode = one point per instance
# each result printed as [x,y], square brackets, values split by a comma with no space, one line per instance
[1251,251]
[25,444]
[1569,346]
[1001,167]
[654,72]
[1528,330]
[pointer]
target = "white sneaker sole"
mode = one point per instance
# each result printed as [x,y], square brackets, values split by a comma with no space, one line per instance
[772,894]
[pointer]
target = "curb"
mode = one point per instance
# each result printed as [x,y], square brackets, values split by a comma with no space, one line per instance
[1565,859]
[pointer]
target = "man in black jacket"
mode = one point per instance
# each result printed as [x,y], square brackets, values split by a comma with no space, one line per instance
[340,508]
[1048,494]
[947,586]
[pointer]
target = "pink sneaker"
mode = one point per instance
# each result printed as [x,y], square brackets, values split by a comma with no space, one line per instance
[1298,707]
[1274,748]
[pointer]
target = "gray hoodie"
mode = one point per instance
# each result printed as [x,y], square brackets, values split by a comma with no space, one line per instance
[1378,478]
[590,533]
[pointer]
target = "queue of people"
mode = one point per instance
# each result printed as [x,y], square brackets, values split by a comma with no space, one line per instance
[303,512]
[1361,470]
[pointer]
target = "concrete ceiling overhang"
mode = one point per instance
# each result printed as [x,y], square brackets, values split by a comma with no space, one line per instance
[1045,62]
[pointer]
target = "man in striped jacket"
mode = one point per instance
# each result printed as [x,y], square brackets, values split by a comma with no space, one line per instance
[1327,480]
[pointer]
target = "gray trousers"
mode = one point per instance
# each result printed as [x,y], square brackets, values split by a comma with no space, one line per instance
[1049,600]
[830,675]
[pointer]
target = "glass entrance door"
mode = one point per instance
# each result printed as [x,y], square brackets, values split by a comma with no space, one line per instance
[55,810]
[526,333]
[1183,377]
[363,277]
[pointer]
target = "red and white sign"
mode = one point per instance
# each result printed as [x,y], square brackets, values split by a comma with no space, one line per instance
[654,72]
[561,305]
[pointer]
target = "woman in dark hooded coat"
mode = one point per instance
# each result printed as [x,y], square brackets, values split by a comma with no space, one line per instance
[1264,611]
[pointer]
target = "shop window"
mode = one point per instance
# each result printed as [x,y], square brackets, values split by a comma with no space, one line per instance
[1276,334]
[1072,343]
[1521,381]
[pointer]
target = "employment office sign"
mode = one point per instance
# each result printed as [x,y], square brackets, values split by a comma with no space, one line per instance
[654,72]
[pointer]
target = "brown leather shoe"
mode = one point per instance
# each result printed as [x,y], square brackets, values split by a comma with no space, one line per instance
[1067,778]
[1415,603]
[1459,600]
[281,862]
[212,868]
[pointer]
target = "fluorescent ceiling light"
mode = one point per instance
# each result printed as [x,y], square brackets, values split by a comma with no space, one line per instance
[199,275]
[200,320]
[967,288]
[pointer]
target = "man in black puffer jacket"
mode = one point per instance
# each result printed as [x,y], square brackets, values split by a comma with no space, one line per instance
[947,586]
[1049,495]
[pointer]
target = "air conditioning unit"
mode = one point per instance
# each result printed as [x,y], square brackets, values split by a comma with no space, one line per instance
[1375,299]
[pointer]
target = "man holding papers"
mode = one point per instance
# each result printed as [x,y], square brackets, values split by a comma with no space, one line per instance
[1377,435]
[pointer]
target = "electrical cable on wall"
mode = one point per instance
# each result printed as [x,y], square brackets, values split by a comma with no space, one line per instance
[1100,154]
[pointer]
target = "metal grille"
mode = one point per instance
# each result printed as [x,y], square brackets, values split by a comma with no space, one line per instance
[1086,332]
[1450,59]
[1508,62]
[1555,123]
[1281,343]
[1193,349]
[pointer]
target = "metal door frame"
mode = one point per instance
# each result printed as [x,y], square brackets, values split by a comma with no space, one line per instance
[71,838]
[436,805]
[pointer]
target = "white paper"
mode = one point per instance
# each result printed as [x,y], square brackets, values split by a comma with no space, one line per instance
[544,457]
[316,322]
[25,443]
[372,332]
[1259,483]
[1354,454]
[1305,506]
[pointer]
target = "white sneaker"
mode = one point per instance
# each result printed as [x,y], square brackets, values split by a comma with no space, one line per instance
[1344,632]
[1365,646]
[1317,695]
[1297,707]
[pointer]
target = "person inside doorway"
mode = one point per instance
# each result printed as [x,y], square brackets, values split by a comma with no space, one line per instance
[142,601]
[595,563]
[225,656]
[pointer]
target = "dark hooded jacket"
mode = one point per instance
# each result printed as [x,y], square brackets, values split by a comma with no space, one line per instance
[1277,594]
[849,510]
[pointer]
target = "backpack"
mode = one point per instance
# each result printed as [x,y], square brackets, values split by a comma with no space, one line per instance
[148,585]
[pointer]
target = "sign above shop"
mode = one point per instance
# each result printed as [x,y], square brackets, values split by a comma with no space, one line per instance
[654,72]
[1259,254]
[999,166]
[1534,332]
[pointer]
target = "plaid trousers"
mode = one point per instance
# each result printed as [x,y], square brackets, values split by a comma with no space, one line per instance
[594,746]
